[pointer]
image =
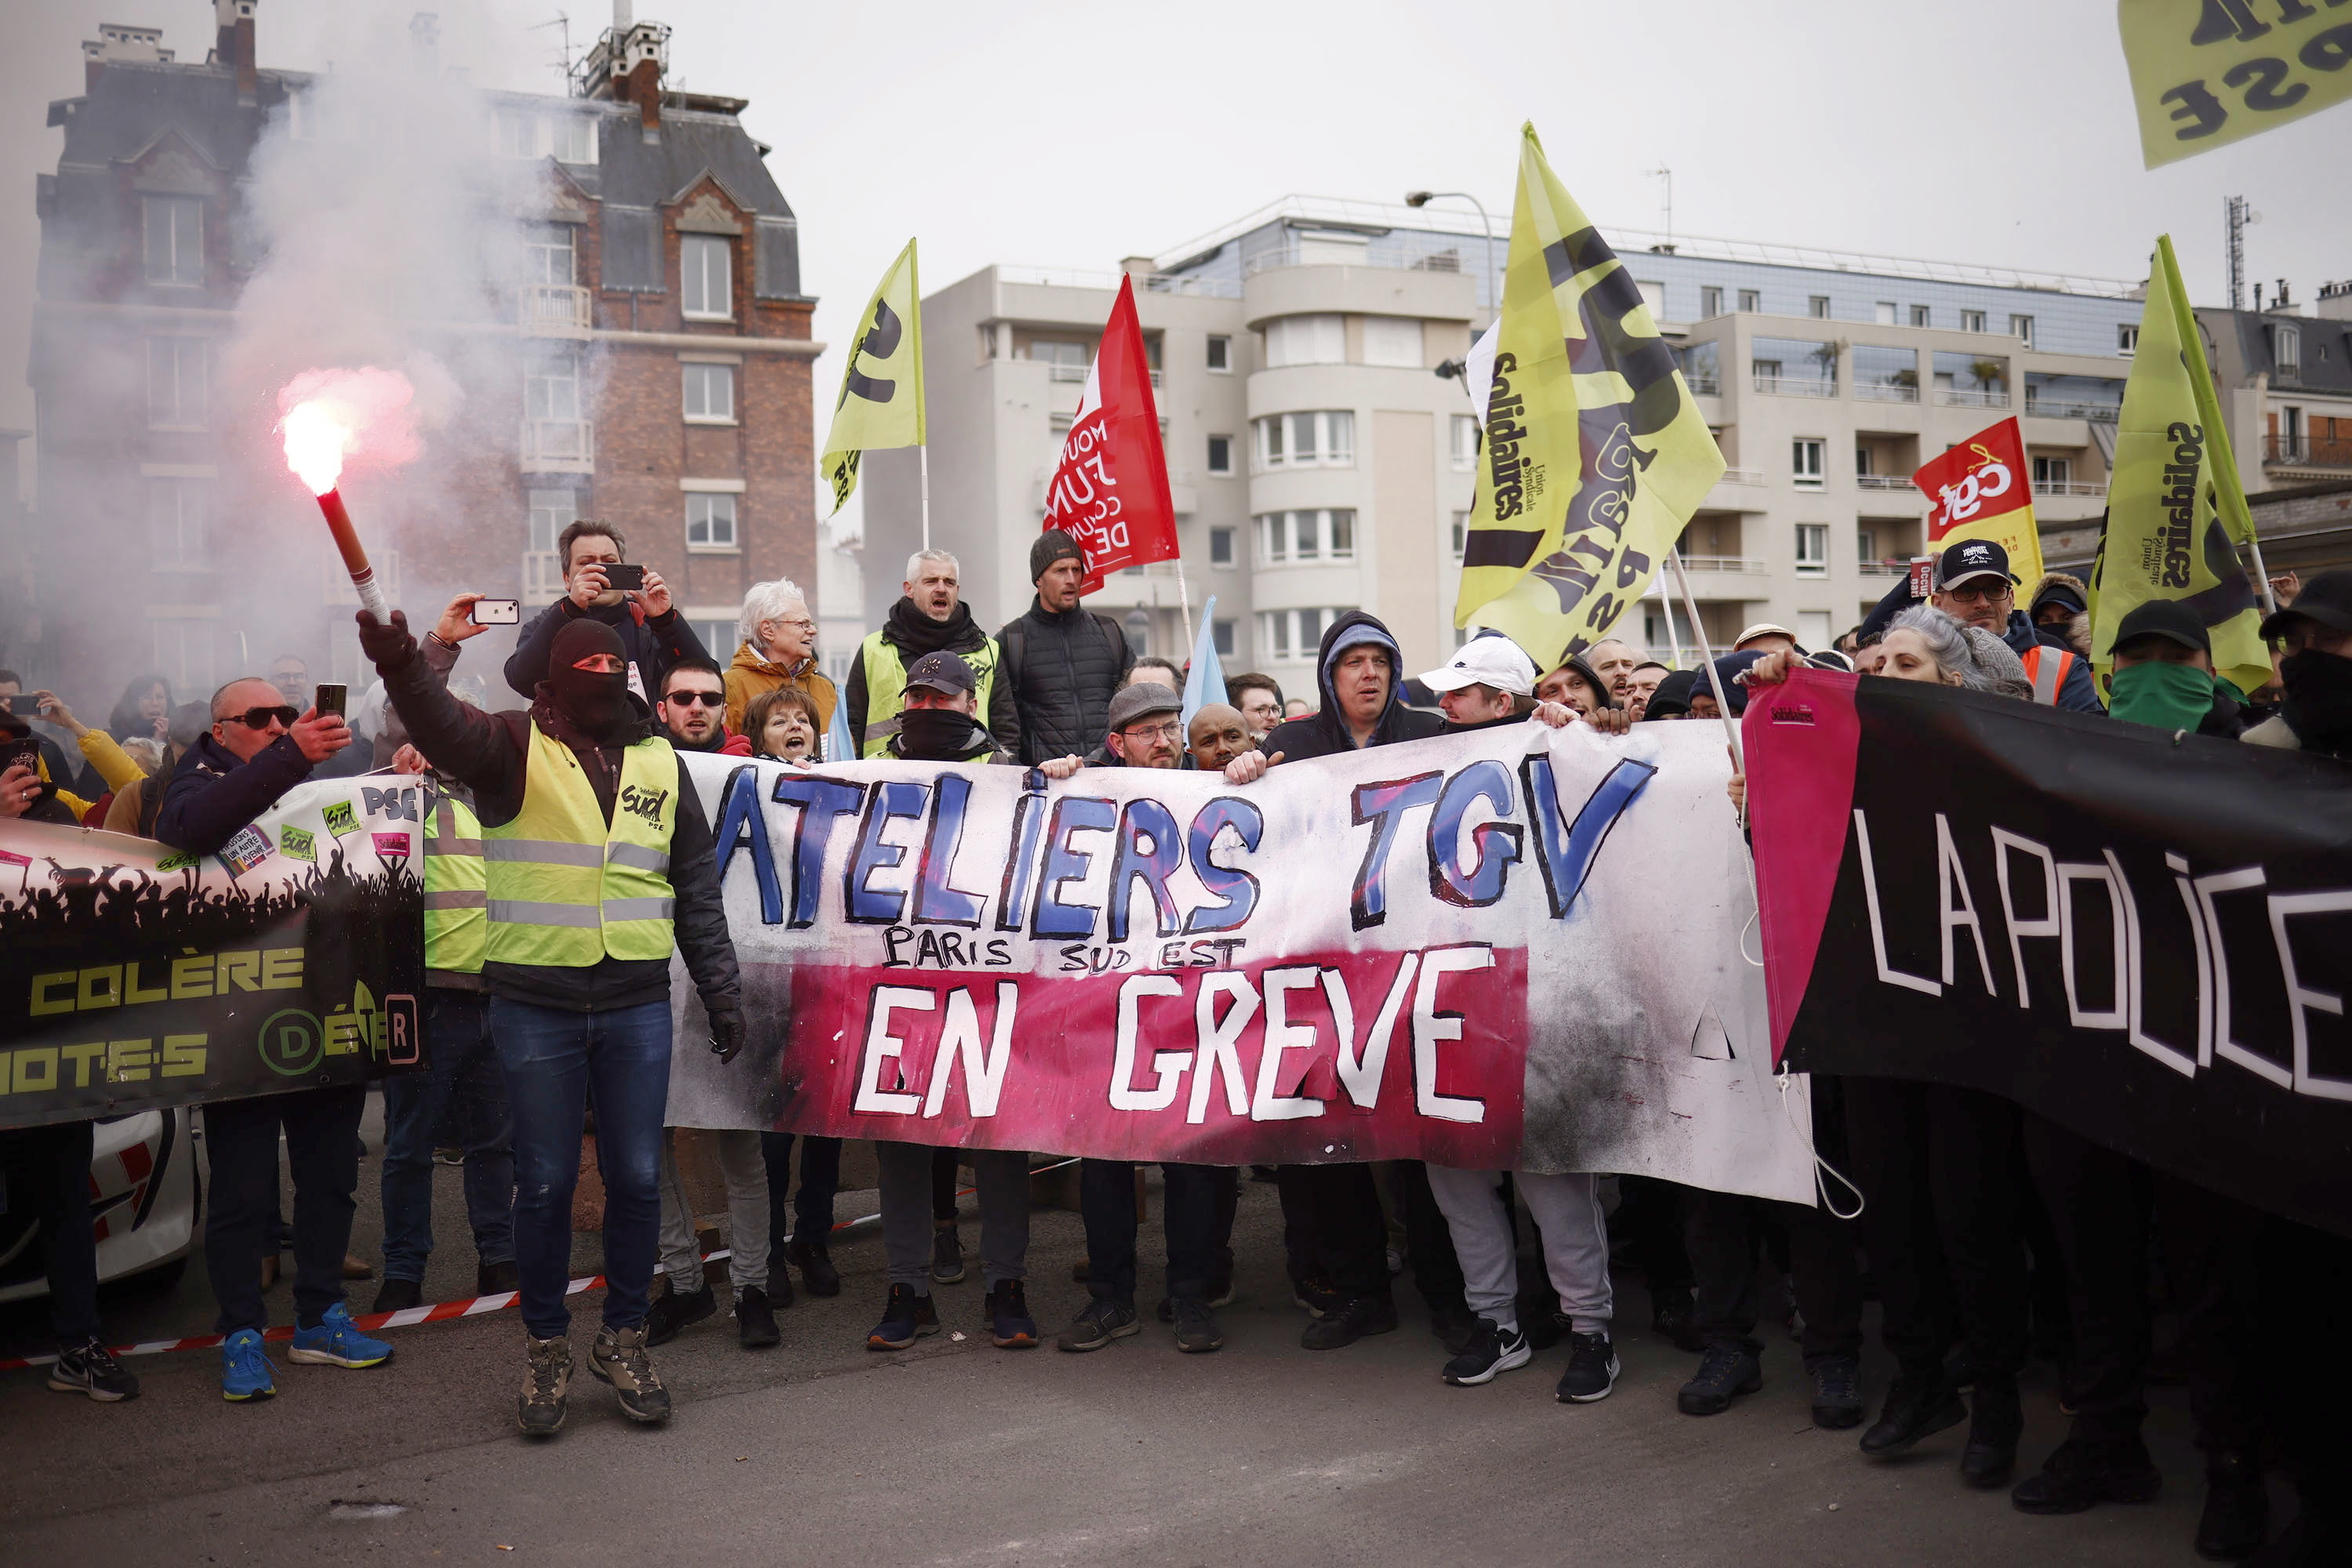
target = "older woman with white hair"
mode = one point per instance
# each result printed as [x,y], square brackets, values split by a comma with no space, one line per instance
[776,647]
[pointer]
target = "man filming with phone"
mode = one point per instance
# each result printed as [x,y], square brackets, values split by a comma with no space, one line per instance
[633,600]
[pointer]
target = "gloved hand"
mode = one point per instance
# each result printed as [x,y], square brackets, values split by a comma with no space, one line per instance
[388,647]
[727,1034]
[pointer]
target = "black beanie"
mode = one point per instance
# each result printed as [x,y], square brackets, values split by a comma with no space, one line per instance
[1053,545]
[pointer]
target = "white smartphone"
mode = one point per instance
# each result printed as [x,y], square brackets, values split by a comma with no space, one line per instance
[498,611]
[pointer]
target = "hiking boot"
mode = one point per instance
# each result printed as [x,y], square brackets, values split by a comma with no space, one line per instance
[2237,1510]
[91,1369]
[1196,1327]
[671,1311]
[755,1320]
[1913,1410]
[1350,1322]
[2080,1474]
[1671,1319]
[1493,1351]
[1100,1321]
[906,1316]
[947,1253]
[816,1265]
[1457,1330]
[1837,1392]
[618,1357]
[1995,1420]
[1010,1326]
[1592,1369]
[1316,1299]
[337,1341]
[1725,1373]
[546,1387]
[496,1279]
[398,1296]
[245,1369]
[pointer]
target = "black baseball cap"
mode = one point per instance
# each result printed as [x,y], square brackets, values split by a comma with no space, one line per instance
[1970,559]
[943,673]
[2326,599]
[2170,619]
[2055,593]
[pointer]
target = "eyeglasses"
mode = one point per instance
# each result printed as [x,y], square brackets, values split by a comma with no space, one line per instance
[260,718]
[1167,732]
[1977,595]
[689,698]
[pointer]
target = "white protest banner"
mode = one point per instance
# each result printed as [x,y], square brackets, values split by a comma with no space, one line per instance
[1517,947]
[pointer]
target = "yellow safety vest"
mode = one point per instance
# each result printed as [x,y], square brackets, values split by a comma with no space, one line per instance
[886,686]
[566,889]
[457,889]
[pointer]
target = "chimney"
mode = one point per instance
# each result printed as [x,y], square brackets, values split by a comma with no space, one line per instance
[233,46]
[117,42]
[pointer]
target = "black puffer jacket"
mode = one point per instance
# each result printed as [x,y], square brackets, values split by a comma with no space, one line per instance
[1324,733]
[1062,667]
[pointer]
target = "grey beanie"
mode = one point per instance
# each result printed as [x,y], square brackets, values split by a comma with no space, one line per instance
[1053,545]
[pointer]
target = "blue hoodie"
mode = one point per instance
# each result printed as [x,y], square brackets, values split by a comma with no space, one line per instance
[1326,734]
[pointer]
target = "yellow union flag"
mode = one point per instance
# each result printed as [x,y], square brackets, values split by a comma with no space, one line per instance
[2206,73]
[2175,511]
[1595,455]
[881,402]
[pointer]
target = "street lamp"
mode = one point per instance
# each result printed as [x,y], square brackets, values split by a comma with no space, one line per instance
[1422,198]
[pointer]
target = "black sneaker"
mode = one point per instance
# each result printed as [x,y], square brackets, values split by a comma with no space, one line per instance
[1592,1369]
[816,1265]
[1913,1410]
[755,1320]
[1837,1392]
[1316,1299]
[618,1357]
[1672,1319]
[546,1387]
[2079,1476]
[1725,1373]
[1220,1294]
[1350,1322]
[671,1311]
[2237,1510]
[905,1317]
[1100,1321]
[1495,1350]
[398,1296]
[1196,1328]
[1010,1326]
[947,1253]
[780,1282]
[89,1368]
[1456,1331]
[1995,1421]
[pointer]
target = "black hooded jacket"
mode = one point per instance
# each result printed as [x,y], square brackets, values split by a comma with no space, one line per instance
[1326,734]
[915,634]
[1063,666]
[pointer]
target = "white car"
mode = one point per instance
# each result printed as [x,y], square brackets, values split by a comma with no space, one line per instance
[144,1196]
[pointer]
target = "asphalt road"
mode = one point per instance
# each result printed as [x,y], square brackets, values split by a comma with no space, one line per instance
[960,1453]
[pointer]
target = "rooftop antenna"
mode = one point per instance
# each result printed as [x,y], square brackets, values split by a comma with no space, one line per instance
[2234,217]
[1663,172]
[564,22]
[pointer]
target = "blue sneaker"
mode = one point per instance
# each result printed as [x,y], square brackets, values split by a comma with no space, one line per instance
[1006,1308]
[244,1370]
[335,1342]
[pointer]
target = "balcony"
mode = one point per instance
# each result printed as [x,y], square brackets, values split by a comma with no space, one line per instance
[1730,563]
[1077,374]
[555,311]
[542,577]
[2308,450]
[1742,476]
[1885,391]
[1972,396]
[1882,568]
[558,447]
[1703,386]
[1795,386]
[2047,408]
[1882,481]
[2069,488]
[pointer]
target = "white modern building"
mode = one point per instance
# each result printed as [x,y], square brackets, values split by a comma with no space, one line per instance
[1321,453]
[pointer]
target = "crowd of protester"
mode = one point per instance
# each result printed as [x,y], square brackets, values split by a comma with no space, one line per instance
[1990,1236]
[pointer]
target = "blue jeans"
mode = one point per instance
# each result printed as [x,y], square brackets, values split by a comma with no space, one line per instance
[321,1127]
[554,1061]
[811,1214]
[461,1074]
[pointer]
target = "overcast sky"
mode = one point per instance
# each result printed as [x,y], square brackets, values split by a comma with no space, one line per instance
[1998,132]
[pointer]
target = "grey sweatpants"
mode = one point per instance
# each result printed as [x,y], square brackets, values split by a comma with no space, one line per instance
[1567,1212]
[1003,1178]
[746,1171]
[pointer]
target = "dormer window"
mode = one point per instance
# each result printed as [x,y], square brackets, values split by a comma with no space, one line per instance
[174,240]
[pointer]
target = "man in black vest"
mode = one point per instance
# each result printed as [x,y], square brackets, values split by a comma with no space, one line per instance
[1062,662]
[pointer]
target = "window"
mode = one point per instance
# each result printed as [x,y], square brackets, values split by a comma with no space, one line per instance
[1461,534]
[2021,329]
[1315,535]
[2053,473]
[1221,547]
[710,394]
[2127,339]
[551,511]
[1654,297]
[1392,340]
[551,384]
[2286,348]
[1885,316]
[174,240]
[176,511]
[568,138]
[184,650]
[1221,351]
[710,521]
[703,283]
[1812,549]
[1292,634]
[1919,315]
[1794,367]
[1814,630]
[572,138]
[1221,634]
[1751,299]
[1818,307]
[548,254]
[1325,439]
[518,134]
[1865,544]
[1306,339]
[176,383]
[1861,460]
[1710,303]
[1221,454]
[1805,454]
[1972,320]
[1062,356]
[1465,441]
[716,632]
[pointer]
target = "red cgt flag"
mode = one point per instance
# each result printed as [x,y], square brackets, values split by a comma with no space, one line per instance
[1110,489]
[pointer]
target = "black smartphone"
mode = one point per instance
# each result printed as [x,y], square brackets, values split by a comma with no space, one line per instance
[329,698]
[497,613]
[624,574]
[14,748]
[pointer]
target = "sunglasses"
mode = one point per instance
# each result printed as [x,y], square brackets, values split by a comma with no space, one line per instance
[260,718]
[690,699]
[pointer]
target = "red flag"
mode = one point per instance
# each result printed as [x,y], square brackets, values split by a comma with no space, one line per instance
[1110,489]
[1981,491]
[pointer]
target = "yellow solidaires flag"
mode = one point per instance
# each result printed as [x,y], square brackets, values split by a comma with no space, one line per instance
[2205,73]
[881,402]
[1595,455]
[2176,513]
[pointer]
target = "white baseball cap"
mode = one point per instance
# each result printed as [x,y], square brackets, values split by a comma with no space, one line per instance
[1761,630]
[1495,661]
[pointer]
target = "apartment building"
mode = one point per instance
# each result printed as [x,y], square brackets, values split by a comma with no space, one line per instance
[649,365]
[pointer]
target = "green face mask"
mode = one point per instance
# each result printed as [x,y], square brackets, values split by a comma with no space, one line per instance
[2167,696]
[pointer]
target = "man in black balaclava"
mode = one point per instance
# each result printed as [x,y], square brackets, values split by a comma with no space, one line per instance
[598,858]
[2315,638]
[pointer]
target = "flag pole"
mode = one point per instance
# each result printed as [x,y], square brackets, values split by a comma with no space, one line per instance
[926,450]
[1713,676]
[1184,598]
[2262,574]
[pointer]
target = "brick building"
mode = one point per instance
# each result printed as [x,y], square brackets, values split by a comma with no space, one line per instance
[647,363]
